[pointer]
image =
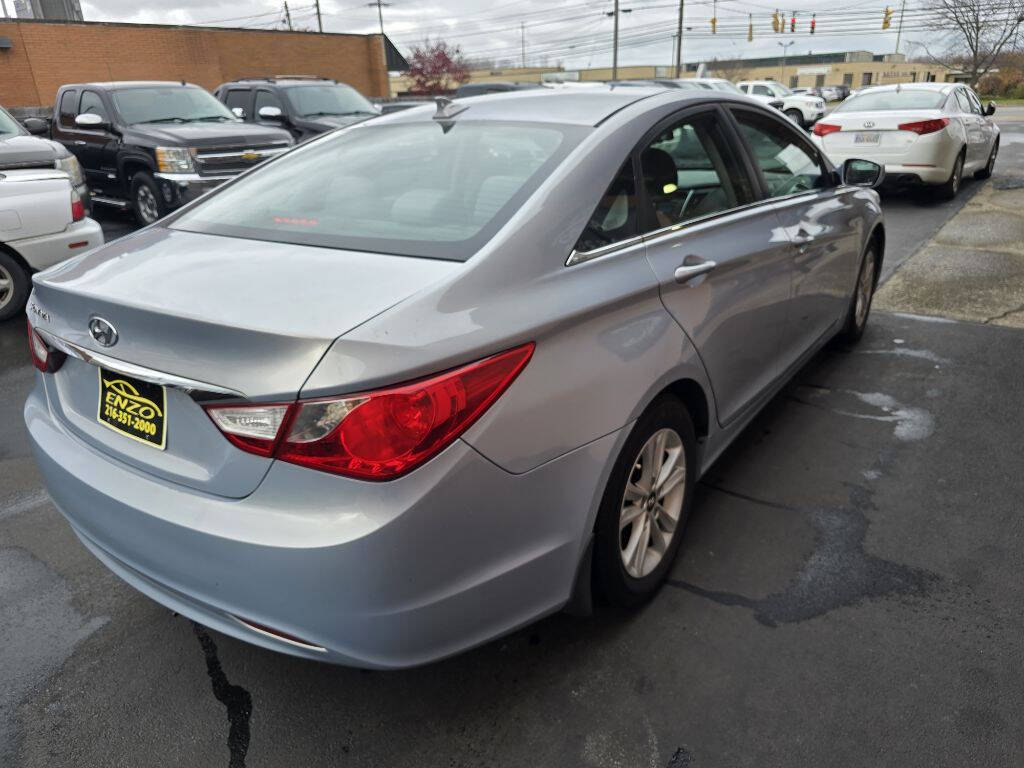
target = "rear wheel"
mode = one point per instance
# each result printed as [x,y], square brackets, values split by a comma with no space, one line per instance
[146,202]
[645,505]
[986,172]
[796,116]
[860,303]
[949,190]
[15,284]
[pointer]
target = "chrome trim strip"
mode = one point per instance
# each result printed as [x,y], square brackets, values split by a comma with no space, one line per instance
[191,178]
[578,257]
[277,150]
[252,628]
[130,369]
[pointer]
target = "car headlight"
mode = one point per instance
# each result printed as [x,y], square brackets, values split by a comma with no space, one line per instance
[71,167]
[174,160]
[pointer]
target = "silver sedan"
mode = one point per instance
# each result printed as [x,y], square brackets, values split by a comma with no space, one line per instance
[421,381]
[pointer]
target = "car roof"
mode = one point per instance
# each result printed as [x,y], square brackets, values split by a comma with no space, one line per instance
[112,84]
[585,106]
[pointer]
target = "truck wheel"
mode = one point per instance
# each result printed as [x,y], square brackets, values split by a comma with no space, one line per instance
[15,284]
[796,116]
[146,201]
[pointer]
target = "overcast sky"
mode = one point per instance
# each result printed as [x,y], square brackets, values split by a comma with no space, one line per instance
[574,33]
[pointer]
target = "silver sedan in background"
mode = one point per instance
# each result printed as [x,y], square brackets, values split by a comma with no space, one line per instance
[421,381]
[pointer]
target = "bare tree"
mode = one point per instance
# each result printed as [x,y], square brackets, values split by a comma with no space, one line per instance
[969,35]
[731,69]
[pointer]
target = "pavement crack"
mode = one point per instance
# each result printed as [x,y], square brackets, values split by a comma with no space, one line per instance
[235,699]
[745,497]
[1002,315]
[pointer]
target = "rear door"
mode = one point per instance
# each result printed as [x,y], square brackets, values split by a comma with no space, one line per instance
[816,214]
[722,260]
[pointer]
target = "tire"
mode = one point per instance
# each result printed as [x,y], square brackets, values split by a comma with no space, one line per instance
[796,116]
[950,189]
[147,204]
[666,419]
[15,286]
[860,302]
[986,172]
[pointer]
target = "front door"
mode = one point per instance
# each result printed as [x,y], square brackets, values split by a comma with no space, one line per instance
[90,145]
[721,258]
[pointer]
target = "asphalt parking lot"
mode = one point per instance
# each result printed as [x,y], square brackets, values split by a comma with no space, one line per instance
[848,593]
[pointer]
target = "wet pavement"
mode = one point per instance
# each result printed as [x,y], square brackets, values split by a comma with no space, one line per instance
[848,593]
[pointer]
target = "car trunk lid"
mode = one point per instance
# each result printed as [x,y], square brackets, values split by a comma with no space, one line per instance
[229,315]
[876,135]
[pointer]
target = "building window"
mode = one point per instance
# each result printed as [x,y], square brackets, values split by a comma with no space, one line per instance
[793,81]
[848,78]
[819,80]
[865,79]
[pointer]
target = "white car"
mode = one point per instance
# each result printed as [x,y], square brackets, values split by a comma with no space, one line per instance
[923,133]
[802,110]
[42,222]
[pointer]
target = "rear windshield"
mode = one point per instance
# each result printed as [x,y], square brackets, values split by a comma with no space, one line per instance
[879,101]
[432,189]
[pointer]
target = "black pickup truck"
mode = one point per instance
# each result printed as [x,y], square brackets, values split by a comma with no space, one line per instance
[153,146]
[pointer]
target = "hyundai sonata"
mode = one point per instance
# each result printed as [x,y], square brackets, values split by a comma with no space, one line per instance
[421,381]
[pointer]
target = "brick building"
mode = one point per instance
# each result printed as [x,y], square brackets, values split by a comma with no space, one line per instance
[43,55]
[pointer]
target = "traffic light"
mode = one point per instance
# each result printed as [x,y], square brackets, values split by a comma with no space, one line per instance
[887,18]
[792,22]
[750,29]
[814,22]
[776,26]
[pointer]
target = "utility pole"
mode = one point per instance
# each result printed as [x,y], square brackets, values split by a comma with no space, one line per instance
[615,37]
[899,29]
[287,16]
[522,34]
[380,12]
[319,20]
[679,43]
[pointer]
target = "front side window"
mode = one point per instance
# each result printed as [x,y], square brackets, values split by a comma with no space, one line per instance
[92,104]
[787,164]
[68,107]
[8,125]
[169,104]
[689,171]
[316,100]
[614,219]
[432,189]
[976,107]
[238,98]
[762,90]
[266,99]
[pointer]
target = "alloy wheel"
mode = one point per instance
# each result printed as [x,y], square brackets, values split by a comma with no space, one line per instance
[147,204]
[864,288]
[652,503]
[6,287]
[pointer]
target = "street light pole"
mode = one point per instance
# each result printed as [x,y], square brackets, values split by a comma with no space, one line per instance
[782,66]
[679,43]
[899,29]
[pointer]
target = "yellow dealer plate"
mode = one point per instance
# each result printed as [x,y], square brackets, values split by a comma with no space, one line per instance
[133,408]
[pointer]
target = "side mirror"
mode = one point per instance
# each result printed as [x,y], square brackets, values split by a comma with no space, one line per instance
[239,112]
[36,126]
[90,120]
[990,109]
[863,173]
[271,113]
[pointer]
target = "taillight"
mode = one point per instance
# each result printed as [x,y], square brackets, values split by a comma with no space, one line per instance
[823,129]
[44,357]
[77,206]
[377,435]
[922,127]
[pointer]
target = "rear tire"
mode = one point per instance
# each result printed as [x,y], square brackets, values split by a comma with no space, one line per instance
[645,505]
[986,172]
[950,189]
[860,302]
[146,201]
[15,285]
[796,116]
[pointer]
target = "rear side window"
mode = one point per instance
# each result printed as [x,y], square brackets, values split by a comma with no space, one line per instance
[430,188]
[689,171]
[614,219]
[238,98]
[787,164]
[68,107]
[880,101]
[762,90]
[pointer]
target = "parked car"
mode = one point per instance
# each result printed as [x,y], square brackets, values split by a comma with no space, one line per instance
[828,92]
[304,106]
[42,222]
[27,147]
[719,84]
[802,110]
[842,91]
[431,377]
[485,87]
[397,105]
[153,146]
[924,133]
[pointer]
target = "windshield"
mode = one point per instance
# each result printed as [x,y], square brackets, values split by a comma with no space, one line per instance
[8,125]
[725,85]
[169,104]
[310,100]
[415,189]
[779,89]
[880,101]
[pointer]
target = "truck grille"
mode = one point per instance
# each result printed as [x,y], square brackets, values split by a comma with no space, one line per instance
[228,161]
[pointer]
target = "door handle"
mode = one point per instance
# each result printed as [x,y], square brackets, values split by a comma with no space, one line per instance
[687,272]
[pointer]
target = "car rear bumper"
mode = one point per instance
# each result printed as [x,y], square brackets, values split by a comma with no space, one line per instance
[378,575]
[47,250]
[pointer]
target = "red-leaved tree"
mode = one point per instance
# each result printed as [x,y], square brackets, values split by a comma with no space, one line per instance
[436,68]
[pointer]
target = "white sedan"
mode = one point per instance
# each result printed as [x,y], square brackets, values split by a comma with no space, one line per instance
[42,222]
[923,133]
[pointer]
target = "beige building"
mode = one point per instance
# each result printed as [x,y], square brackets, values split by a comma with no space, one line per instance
[853,68]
